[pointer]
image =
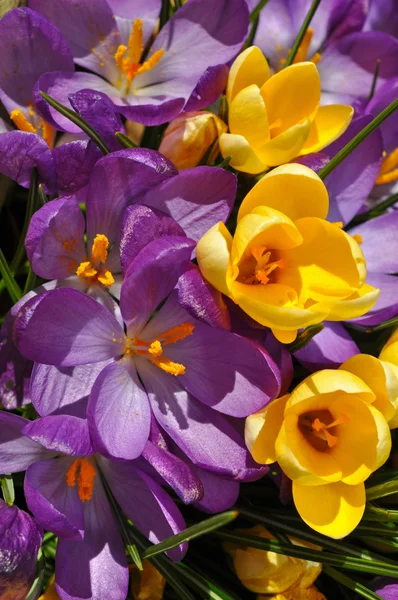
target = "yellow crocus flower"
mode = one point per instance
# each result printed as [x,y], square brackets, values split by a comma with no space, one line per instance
[328,437]
[286,266]
[273,119]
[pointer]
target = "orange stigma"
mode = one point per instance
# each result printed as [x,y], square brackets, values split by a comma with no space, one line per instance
[91,269]
[389,168]
[320,428]
[33,124]
[82,473]
[301,54]
[263,268]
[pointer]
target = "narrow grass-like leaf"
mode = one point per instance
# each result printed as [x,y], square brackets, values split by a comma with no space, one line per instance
[384,489]
[7,488]
[225,163]
[390,323]
[35,590]
[77,120]
[207,589]
[305,337]
[376,513]
[375,77]
[360,589]
[31,206]
[192,532]
[13,288]
[42,195]
[164,13]
[358,139]
[375,211]
[301,33]
[254,19]
[124,140]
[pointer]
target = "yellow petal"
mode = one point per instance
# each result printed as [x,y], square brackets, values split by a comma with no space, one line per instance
[213,253]
[389,352]
[248,116]
[285,337]
[293,189]
[392,376]
[262,428]
[329,124]
[249,67]
[292,95]
[285,146]
[356,305]
[334,509]
[243,157]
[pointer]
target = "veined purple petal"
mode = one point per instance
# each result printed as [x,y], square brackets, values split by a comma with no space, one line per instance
[118,412]
[146,10]
[65,434]
[15,370]
[155,110]
[385,587]
[73,163]
[97,566]
[151,277]
[141,225]
[196,198]
[40,48]
[219,494]
[66,328]
[389,129]
[209,87]
[379,242]
[20,540]
[17,451]
[382,16]
[386,306]
[315,161]
[282,358]
[144,502]
[328,349]
[55,239]
[55,505]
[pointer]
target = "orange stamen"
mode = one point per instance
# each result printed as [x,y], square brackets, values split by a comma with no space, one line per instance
[90,269]
[151,62]
[388,171]
[82,473]
[168,366]
[303,48]
[320,427]
[21,121]
[175,334]
[99,249]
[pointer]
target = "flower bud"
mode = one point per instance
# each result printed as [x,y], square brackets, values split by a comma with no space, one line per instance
[147,584]
[189,136]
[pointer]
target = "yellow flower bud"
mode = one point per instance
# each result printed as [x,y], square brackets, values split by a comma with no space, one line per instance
[51,592]
[189,136]
[147,584]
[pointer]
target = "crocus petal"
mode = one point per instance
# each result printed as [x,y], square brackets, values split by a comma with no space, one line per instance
[209,87]
[334,509]
[242,156]
[15,370]
[41,48]
[282,358]
[248,116]
[275,32]
[66,328]
[146,504]
[250,67]
[151,111]
[330,123]
[97,565]
[17,451]
[118,412]
[64,434]
[285,146]
[55,505]
[328,349]
[151,277]
[213,255]
[219,494]
[73,163]
[378,243]
[389,128]
[55,239]
[386,307]
[63,390]
[293,189]
[205,436]
[196,198]
[146,10]
[262,429]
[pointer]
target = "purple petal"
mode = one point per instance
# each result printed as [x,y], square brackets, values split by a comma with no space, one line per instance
[151,111]
[20,540]
[55,505]
[386,306]
[197,198]
[65,434]
[208,439]
[385,587]
[126,12]
[275,32]
[97,566]
[282,358]
[40,48]
[20,152]
[141,225]
[219,494]
[209,87]
[350,184]
[15,370]
[151,277]
[389,129]
[67,328]
[328,349]
[73,163]
[55,239]
[63,390]
[201,300]
[17,451]
[118,412]
[380,243]
[315,161]
[176,473]
[382,16]
[147,505]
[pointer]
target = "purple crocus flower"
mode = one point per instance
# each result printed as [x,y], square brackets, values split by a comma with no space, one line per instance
[20,540]
[382,16]
[65,492]
[191,372]
[152,89]
[385,587]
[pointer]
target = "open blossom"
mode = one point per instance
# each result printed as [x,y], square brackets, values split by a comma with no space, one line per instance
[328,437]
[273,119]
[286,266]
[110,40]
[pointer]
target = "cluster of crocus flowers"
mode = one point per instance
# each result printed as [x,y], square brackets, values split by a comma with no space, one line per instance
[286,266]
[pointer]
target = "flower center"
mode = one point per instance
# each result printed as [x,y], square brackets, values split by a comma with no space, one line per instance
[128,57]
[389,168]
[93,269]
[319,428]
[153,350]
[301,54]
[33,124]
[259,267]
[82,473]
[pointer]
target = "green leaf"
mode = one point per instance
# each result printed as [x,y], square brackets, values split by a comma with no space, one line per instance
[164,13]
[31,206]
[30,281]
[35,590]
[305,337]
[192,532]
[301,33]
[358,139]
[254,19]
[124,140]
[351,584]
[42,195]
[13,288]
[77,120]
[200,584]
[375,77]
[7,488]
[380,491]
[389,323]
[225,163]
[375,211]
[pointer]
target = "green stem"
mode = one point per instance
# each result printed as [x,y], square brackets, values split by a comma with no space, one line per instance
[305,337]
[358,139]
[375,76]
[30,281]
[13,288]
[124,140]
[384,489]
[7,488]
[350,583]
[30,208]
[254,19]
[164,13]
[301,33]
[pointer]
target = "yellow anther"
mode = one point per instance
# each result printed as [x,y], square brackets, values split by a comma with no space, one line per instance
[316,58]
[180,332]
[155,349]
[151,62]
[85,269]
[135,43]
[106,278]
[47,133]
[168,366]
[119,57]
[99,250]
[358,238]
[301,53]
[82,473]
[338,224]
[21,121]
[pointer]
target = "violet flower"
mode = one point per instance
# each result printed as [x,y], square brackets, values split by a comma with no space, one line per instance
[191,372]
[20,540]
[65,492]
[150,89]
[382,16]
